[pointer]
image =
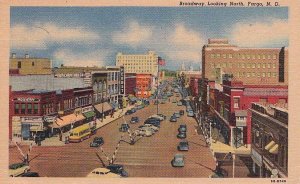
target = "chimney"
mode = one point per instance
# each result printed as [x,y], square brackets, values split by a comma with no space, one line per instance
[13,55]
[26,56]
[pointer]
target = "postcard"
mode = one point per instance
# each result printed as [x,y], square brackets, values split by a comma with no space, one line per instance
[179,91]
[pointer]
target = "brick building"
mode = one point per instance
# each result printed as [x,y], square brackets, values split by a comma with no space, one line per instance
[130,81]
[250,65]
[143,85]
[229,106]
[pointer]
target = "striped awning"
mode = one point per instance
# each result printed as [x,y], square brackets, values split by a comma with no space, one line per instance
[270,145]
[67,120]
[106,107]
[89,114]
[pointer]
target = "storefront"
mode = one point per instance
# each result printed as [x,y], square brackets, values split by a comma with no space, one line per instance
[257,163]
[103,109]
[32,126]
[89,113]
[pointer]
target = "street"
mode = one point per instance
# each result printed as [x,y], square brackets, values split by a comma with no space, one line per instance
[148,157]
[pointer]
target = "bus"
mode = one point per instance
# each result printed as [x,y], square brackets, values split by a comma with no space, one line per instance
[80,133]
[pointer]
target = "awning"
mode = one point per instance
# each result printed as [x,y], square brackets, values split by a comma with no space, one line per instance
[106,107]
[274,149]
[89,114]
[270,145]
[66,120]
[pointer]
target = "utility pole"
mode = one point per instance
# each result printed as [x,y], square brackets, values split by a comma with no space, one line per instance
[157,86]
[233,165]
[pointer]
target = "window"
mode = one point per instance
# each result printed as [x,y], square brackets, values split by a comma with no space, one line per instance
[269,56]
[253,65]
[218,55]
[274,74]
[224,65]
[35,108]
[264,65]
[248,65]
[274,56]
[243,56]
[23,108]
[17,107]
[269,65]
[224,56]
[19,64]
[269,74]
[263,74]
[274,65]
[32,64]
[263,56]
[243,65]
[248,74]
[253,56]
[258,74]
[236,102]
[258,65]
[248,56]
[229,55]
[29,108]
[258,56]
[253,74]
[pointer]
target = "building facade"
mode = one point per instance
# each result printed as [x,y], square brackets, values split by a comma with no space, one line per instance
[130,81]
[230,103]
[143,63]
[30,66]
[269,150]
[250,65]
[143,85]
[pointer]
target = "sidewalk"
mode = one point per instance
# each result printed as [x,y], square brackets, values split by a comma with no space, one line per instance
[54,141]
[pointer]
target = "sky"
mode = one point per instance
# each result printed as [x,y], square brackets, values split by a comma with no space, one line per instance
[92,36]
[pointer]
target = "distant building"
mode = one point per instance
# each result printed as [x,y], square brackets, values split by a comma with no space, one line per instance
[29,65]
[269,149]
[143,85]
[249,65]
[142,63]
[130,81]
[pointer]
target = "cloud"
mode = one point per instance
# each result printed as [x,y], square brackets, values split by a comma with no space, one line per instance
[40,36]
[186,44]
[81,58]
[272,32]
[133,35]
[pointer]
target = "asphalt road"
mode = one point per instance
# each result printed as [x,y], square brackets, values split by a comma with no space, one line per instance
[148,157]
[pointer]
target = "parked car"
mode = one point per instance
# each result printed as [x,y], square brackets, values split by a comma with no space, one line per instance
[181,112]
[176,114]
[135,119]
[143,132]
[155,116]
[30,174]
[117,169]
[163,116]
[181,135]
[190,114]
[139,107]
[154,123]
[182,128]
[18,169]
[94,145]
[103,173]
[179,103]
[173,119]
[99,140]
[178,160]
[183,146]
[124,127]
[150,126]
[130,111]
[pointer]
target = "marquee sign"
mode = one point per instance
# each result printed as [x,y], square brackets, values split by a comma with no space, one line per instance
[122,77]
[23,99]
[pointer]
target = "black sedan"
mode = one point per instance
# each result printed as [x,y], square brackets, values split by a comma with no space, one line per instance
[181,135]
[134,119]
[183,146]
[173,119]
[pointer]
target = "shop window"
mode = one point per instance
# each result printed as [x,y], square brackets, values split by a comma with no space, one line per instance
[19,64]
[17,107]
[236,102]
[23,108]
[35,108]
[29,108]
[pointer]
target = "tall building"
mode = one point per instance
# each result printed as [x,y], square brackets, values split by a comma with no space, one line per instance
[29,66]
[142,64]
[249,65]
